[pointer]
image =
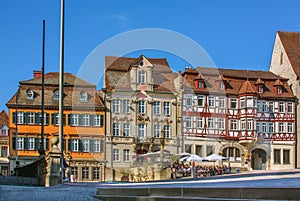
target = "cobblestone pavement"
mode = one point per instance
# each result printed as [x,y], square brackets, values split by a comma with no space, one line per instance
[85,191]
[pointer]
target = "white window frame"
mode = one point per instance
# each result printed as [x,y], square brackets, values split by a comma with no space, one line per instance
[141,131]
[30,118]
[20,143]
[74,119]
[233,101]
[56,95]
[271,106]
[243,124]
[200,122]
[264,127]
[281,107]
[126,106]
[31,143]
[116,106]
[20,118]
[96,145]
[156,108]
[249,102]
[222,102]
[167,133]
[97,120]
[210,123]
[126,155]
[141,107]
[211,101]
[126,129]
[188,122]
[167,108]
[290,107]
[290,127]
[242,102]
[249,124]
[234,124]
[142,77]
[271,127]
[75,145]
[116,129]
[85,120]
[281,127]
[156,131]
[116,155]
[221,123]
[85,145]
[200,99]
[189,100]
[83,96]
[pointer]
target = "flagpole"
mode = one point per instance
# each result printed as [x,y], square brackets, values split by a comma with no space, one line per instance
[61,84]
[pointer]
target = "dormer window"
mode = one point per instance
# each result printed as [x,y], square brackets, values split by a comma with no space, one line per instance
[200,85]
[279,90]
[222,86]
[142,77]
[220,83]
[56,95]
[83,96]
[260,89]
[30,94]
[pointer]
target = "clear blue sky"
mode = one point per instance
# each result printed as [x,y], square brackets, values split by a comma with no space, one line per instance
[236,34]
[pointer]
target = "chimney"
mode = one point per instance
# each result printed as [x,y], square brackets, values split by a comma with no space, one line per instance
[37,73]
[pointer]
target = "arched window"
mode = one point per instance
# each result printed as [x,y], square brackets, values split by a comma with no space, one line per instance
[83,96]
[56,95]
[30,94]
[232,153]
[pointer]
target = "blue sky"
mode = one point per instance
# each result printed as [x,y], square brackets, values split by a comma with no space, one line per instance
[236,34]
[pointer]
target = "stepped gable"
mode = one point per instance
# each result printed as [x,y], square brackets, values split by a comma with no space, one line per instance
[291,44]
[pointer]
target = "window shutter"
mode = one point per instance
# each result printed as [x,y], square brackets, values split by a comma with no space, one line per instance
[14,143]
[91,119]
[25,143]
[47,119]
[64,144]
[79,145]
[53,119]
[101,146]
[91,146]
[80,120]
[14,117]
[70,145]
[37,118]
[37,143]
[64,119]
[47,144]
[101,120]
[69,119]
[25,118]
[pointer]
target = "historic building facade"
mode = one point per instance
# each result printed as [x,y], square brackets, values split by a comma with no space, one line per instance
[286,62]
[247,116]
[83,120]
[143,113]
[4,143]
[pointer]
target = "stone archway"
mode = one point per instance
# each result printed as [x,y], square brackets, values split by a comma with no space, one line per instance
[258,159]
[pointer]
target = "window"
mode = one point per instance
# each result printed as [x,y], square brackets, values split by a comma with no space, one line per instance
[142,77]
[290,127]
[222,86]
[167,108]
[249,101]
[167,131]
[31,143]
[265,106]
[211,101]
[200,101]
[4,132]
[116,155]
[249,124]
[286,156]
[188,122]
[116,106]
[126,106]
[97,145]
[243,124]
[85,119]
[271,107]
[56,95]
[20,118]
[264,127]
[233,124]
[74,145]
[96,173]
[279,90]
[209,150]
[31,118]
[116,129]
[200,85]
[156,107]
[260,89]
[199,150]
[98,120]
[85,145]
[281,127]
[55,119]
[290,107]
[189,100]
[74,171]
[258,129]
[277,158]
[126,155]
[222,102]
[74,119]
[221,123]
[141,131]
[271,127]
[281,58]
[20,143]
[85,173]
[126,129]
[156,130]
[233,103]
[242,102]
[4,151]
[210,123]
[30,94]
[281,107]
[200,122]
[141,107]
[39,119]
[83,97]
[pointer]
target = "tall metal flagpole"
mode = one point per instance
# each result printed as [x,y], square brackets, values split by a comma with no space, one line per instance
[41,148]
[61,83]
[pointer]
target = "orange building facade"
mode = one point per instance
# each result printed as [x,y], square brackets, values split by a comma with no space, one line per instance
[84,132]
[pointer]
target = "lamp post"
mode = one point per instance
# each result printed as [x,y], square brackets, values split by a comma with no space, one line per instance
[17,137]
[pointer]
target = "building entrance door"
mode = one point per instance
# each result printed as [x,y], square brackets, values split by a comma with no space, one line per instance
[258,159]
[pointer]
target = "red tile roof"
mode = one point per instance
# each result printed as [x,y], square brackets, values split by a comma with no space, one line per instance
[291,44]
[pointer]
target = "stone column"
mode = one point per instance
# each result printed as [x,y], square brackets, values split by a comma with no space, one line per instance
[53,158]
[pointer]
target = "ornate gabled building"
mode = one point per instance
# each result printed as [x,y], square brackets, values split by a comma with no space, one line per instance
[4,143]
[142,109]
[83,124]
[247,116]
[286,62]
